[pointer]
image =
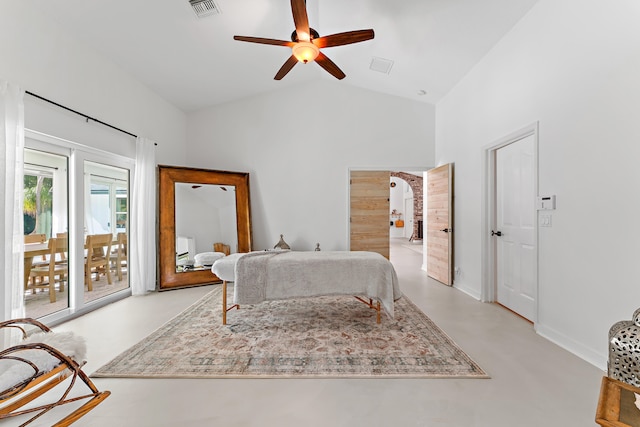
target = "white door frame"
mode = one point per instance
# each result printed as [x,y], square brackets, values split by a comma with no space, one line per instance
[488,291]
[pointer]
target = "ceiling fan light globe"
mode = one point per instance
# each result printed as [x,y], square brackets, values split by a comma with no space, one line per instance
[305,51]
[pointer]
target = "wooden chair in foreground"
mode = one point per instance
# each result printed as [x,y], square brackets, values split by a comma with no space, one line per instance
[52,269]
[37,365]
[98,250]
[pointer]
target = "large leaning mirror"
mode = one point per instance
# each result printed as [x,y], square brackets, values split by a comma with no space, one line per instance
[202,213]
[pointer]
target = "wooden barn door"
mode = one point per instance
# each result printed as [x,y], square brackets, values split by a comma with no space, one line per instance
[440,223]
[369,209]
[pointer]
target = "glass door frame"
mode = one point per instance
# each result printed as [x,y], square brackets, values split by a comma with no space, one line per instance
[77,155]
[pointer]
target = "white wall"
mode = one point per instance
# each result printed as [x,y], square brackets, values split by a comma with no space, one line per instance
[298,145]
[396,201]
[39,56]
[400,197]
[574,66]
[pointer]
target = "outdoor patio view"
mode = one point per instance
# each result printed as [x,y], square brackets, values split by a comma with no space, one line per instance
[49,265]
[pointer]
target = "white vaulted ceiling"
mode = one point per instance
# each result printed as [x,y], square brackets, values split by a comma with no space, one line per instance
[195,63]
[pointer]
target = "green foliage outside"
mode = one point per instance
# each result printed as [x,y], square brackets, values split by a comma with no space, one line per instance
[38,204]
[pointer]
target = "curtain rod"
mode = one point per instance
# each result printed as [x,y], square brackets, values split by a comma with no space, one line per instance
[41,166]
[80,114]
[108,177]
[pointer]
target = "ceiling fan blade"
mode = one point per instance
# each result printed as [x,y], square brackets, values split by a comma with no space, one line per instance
[330,66]
[262,40]
[286,67]
[344,38]
[301,20]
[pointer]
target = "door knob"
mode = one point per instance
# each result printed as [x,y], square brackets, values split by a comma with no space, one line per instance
[447,230]
[496,233]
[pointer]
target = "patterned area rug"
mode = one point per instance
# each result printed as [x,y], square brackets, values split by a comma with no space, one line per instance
[314,337]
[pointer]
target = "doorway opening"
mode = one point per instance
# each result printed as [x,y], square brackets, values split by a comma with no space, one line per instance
[406,217]
[373,223]
[406,204]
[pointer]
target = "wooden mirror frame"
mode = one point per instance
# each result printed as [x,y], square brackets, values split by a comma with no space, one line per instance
[168,176]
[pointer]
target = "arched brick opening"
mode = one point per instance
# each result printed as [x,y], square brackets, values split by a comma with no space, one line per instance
[415,182]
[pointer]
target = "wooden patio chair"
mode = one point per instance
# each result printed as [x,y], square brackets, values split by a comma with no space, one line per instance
[33,368]
[222,247]
[97,261]
[62,256]
[36,238]
[118,257]
[52,269]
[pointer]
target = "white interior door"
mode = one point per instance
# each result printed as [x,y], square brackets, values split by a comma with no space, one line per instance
[516,254]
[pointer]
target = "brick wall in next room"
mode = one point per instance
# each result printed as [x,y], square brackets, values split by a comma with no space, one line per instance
[415,182]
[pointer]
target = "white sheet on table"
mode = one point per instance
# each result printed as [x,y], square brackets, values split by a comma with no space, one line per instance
[274,275]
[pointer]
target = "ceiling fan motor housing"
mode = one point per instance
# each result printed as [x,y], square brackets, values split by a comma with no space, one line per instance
[312,33]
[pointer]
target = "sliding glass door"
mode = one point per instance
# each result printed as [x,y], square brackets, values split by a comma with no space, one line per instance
[76,216]
[46,217]
[106,214]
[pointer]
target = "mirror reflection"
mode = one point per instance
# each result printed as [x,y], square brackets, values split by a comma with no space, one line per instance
[202,214]
[205,224]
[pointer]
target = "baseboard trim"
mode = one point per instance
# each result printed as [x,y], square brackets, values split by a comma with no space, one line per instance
[587,354]
[472,293]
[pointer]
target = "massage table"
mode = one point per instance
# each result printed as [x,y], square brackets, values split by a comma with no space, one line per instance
[276,275]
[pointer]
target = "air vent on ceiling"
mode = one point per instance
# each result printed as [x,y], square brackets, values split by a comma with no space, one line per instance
[381,65]
[204,8]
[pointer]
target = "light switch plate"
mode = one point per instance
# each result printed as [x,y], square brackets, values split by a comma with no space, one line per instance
[545,220]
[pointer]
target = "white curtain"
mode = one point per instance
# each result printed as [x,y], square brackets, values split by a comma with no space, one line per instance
[143,219]
[11,196]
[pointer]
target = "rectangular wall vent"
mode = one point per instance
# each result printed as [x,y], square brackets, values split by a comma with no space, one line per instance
[204,8]
[381,65]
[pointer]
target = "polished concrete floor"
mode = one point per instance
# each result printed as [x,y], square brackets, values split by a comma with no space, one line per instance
[533,382]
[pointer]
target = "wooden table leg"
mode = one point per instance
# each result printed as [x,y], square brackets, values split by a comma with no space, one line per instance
[225,308]
[224,302]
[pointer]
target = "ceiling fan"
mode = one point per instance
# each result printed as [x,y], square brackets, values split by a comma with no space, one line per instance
[306,43]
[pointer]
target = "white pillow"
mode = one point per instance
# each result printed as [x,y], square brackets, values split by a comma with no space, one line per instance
[207,258]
